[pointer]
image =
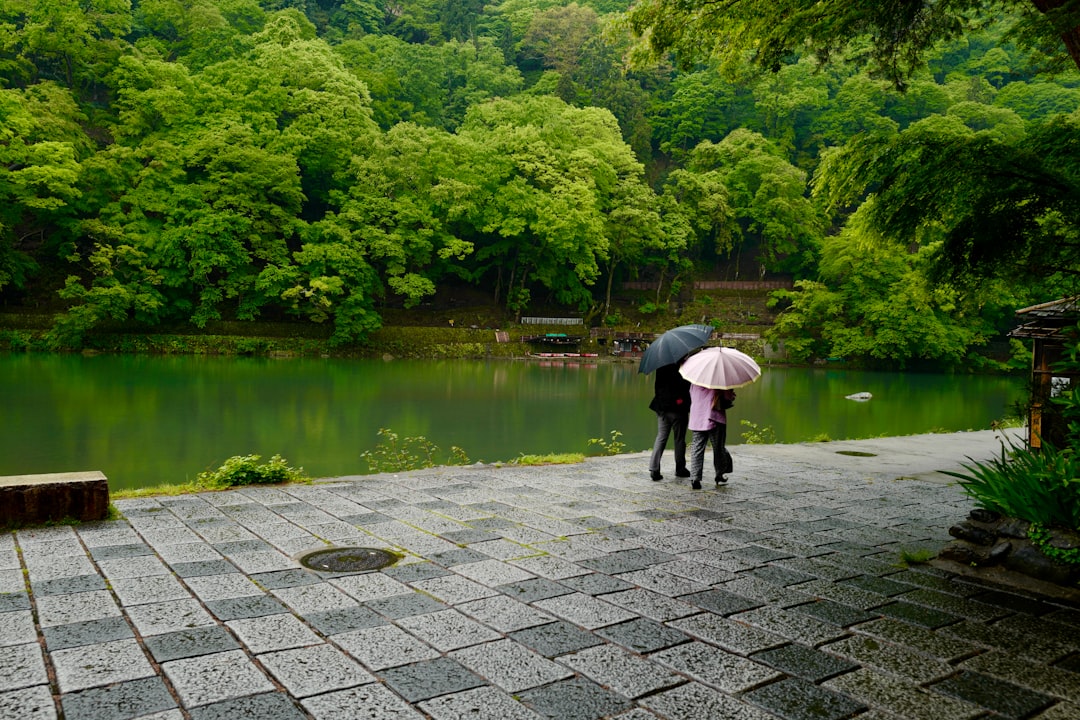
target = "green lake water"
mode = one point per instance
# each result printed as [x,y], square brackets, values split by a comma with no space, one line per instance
[147,420]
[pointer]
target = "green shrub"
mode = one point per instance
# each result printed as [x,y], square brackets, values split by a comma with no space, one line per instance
[614,446]
[412,453]
[246,470]
[754,434]
[1040,486]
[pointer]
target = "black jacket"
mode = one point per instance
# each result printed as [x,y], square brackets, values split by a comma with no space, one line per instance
[671,391]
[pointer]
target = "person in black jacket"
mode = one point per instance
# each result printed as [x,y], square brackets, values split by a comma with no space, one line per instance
[671,403]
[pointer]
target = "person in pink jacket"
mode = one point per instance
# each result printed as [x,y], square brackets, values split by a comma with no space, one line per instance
[708,422]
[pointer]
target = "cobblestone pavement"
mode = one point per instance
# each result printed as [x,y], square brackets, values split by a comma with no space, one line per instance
[580,591]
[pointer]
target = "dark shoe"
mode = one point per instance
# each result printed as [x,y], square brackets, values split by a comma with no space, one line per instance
[720,479]
[682,472]
[696,484]
[656,476]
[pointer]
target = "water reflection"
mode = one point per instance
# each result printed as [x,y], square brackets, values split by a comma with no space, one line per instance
[145,420]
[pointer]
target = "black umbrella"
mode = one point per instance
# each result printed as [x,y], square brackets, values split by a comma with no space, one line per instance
[673,345]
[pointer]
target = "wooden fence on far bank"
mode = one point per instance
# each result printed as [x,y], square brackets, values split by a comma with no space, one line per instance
[718,285]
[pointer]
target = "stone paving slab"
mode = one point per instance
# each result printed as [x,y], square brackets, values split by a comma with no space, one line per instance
[581,591]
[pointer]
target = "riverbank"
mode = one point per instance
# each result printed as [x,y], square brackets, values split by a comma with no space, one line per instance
[560,591]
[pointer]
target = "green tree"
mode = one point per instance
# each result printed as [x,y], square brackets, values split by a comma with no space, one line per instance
[767,196]
[890,37]
[42,147]
[876,305]
[71,42]
[1005,203]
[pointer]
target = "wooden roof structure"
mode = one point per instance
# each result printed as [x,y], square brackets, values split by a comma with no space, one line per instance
[1049,326]
[1047,321]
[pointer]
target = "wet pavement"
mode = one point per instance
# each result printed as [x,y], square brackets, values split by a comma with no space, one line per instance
[569,591]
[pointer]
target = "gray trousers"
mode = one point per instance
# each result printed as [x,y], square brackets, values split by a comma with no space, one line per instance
[674,424]
[718,437]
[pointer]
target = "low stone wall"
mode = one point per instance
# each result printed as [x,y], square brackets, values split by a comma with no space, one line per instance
[36,499]
[986,539]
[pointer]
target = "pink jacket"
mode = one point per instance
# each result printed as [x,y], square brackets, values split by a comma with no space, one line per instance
[703,416]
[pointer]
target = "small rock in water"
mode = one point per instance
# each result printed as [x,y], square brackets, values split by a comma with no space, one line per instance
[860,396]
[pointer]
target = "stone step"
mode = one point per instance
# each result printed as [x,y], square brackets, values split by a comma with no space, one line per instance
[35,499]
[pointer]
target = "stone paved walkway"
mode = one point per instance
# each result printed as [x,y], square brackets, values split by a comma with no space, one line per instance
[580,591]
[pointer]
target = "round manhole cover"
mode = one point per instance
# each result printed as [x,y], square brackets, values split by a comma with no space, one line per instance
[348,559]
[855,453]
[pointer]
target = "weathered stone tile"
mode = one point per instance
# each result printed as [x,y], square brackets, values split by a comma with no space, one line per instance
[430,678]
[843,594]
[662,582]
[369,586]
[315,670]
[273,632]
[30,703]
[131,699]
[76,607]
[23,667]
[399,606]
[694,701]
[642,636]
[314,598]
[375,699]
[625,673]
[834,613]
[790,625]
[903,699]
[765,592]
[1041,678]
[720,602]
[454,589]
[153,589]
[447,630]
[596,584]
[212,678]
[504,614]
[222,587]
[804,662]
[102,664]
[938,645]
[510,666]
[88,632]
[245,607]
[918,614]
[133,567]
[797,699]
[550,567]
[271,705]
[480,702]
[17,628]
[1002,697]
[954,605]
[729,635]
[575,699]
[889,658]
[584,610]
[385,646]
[724,671]
[166,617]
[190,643]
[557,638]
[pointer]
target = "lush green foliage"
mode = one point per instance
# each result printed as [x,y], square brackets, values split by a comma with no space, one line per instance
[875,304]
[247,470]
[166,165]
[1041,486]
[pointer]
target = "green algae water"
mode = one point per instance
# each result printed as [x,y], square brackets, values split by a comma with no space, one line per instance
[146,420]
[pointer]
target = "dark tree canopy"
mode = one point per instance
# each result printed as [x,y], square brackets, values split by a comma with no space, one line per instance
[889,36]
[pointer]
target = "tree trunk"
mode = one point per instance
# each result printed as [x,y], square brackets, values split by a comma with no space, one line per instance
[610,279]
[1071,36]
